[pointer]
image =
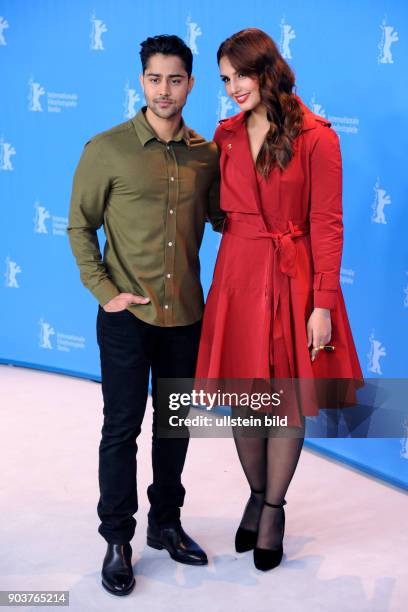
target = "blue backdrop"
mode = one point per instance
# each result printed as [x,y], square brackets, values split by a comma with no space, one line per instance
[69,69]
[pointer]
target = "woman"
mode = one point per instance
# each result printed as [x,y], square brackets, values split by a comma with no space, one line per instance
[275,302]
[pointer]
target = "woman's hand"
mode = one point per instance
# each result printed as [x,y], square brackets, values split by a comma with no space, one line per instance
[318,329]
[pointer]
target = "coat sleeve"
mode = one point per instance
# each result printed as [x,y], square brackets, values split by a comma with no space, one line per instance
[326,219]
[90,191]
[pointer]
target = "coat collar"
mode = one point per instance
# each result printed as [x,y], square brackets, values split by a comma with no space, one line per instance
[310,120]
[238,149]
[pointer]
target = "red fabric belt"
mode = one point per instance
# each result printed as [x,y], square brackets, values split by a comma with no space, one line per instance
[284,266]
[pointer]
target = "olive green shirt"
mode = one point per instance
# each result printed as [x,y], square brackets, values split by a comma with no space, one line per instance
[153,199]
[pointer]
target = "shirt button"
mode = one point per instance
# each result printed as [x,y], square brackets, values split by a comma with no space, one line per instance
[166,306]
[170,243]
[171,211]
[172,178]
[168,275]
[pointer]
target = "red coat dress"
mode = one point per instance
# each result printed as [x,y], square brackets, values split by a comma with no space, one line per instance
[279,257]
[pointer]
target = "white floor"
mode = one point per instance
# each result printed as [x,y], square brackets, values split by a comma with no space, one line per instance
[346,534]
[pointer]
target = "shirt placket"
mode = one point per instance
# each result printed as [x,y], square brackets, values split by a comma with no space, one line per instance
[170,233]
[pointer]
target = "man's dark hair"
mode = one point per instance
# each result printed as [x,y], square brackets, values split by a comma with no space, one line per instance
[167,45]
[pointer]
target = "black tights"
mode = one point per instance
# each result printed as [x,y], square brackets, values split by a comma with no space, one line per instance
[269,465]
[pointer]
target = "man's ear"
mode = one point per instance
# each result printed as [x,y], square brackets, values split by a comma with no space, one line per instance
[141,80]
[191,82]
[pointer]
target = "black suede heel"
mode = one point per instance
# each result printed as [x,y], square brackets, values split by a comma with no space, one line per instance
[268,558]
[245,539]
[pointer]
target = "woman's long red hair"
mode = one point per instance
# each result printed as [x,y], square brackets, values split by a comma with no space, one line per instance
[254,53]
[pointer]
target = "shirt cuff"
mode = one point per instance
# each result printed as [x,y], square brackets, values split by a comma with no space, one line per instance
[105,291]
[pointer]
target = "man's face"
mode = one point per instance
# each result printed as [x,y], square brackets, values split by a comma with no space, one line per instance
[166,85]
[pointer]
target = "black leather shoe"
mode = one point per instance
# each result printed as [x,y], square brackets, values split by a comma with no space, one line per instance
[117,571]
[178,544]
[267,558]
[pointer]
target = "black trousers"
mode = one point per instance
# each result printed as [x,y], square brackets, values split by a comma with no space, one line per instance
[129,349]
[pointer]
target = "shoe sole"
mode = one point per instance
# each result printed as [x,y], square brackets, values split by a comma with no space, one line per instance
[244,550]
[158,546]
[119,593]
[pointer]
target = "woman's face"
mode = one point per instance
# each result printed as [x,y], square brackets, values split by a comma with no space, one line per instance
[243,89]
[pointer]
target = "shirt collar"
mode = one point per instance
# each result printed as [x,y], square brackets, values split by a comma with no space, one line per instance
[146,133]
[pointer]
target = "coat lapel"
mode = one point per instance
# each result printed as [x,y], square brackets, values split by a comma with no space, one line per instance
[238,151]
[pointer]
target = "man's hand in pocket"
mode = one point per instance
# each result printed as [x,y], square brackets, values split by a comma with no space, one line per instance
[123,300]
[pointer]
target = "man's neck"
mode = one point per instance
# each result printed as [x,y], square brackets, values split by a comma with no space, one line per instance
[165,129]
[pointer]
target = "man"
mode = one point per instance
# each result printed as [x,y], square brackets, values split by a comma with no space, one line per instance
[152,182]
